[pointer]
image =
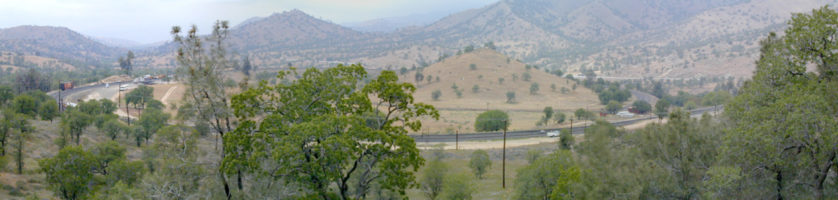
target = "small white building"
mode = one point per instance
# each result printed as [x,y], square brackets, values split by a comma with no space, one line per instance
[625,114]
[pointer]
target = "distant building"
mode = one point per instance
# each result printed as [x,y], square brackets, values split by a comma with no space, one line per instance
[579,76]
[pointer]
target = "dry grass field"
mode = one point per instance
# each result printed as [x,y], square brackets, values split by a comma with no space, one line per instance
[490,66]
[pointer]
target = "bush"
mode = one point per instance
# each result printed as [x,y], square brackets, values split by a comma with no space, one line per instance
[472,67]
[492,120]
[436,94]
[475,89]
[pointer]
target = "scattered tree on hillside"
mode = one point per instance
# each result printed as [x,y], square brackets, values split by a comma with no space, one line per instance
[419,77]
[641,106]
[433,178]
[613,107]
[125,63]
[140,96]
[566,139]
[500,81]
[534,88]
[526,76]
[510,97]
[582,114]
[662,108]
[150,121]
[201,61]
[48,110]
[436,94]
[551,174]
[472,67]
[492,120]
[246,66]
[68,173]
[559,117]
[475,89]
[479,163]
[458,187]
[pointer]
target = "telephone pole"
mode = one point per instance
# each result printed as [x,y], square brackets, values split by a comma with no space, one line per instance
[457,140]
[503,181]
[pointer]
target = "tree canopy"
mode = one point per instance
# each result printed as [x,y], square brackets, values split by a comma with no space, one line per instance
[314,129]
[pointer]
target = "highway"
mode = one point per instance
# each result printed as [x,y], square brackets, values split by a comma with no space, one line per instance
[530,133]
[68,95]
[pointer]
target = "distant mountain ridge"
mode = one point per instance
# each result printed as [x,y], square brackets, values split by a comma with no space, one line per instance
[608,36]
[54,42]
[624,39]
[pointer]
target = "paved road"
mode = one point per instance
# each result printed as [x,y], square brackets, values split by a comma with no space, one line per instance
[73,94]
[529,133]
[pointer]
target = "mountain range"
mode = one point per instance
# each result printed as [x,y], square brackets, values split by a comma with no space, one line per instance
[615,38]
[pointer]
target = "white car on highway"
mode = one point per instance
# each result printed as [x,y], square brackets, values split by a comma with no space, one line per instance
[553,133]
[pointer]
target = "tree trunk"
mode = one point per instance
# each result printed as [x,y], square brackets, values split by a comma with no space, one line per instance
[779,179]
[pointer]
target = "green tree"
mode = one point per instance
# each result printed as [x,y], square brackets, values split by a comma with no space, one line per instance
[582,114]
[641,106]
[68,173]
[540,178]
[140,96]
[433,178]
[125,63]
[526,76]
[26,105]
[548,113]
[436,94]
[475,89]
[48,110]
[492,120]
[560,117]
[18,135]
[151,120]
[114,127]
[784,119]
[458,187]
[662,108]
[500,81]
[331,143]
[613,107]
[246,66]
[534,88]
[510,97]
[202,61]
[479,163]
[6,94]
[566,140]
[104,154]
[472,67]
[74,122]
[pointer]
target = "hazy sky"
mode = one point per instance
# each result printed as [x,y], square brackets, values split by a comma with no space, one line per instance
[150,20]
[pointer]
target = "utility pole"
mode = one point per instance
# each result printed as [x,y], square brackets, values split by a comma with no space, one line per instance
[503,181]
[571,126]
[457,140]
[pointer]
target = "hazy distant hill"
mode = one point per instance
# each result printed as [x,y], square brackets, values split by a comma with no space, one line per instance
[55,42]
[616,38]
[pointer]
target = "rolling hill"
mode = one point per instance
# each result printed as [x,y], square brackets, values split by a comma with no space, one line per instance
[489,67]
[55,42]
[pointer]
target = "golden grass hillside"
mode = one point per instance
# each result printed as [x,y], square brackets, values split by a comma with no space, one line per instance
[458,113]
[490,66]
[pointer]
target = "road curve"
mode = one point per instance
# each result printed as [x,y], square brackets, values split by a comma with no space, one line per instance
[527,133]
